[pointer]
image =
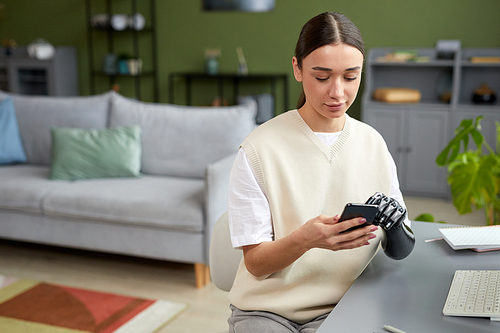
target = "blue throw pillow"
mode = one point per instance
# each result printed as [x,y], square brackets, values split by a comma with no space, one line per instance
[11,146]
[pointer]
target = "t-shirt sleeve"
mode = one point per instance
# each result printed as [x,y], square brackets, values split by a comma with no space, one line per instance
[248,209]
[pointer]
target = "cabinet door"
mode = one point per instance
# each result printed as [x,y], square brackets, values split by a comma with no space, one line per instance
[4,77]
[31,78]
[390,124]
[427,136]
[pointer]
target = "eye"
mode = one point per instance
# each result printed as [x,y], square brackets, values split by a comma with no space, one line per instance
[351,78]
[321,79]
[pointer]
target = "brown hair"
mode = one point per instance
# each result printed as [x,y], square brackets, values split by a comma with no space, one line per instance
[329,28]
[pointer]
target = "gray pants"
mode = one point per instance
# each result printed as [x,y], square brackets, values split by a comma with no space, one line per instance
[268,322]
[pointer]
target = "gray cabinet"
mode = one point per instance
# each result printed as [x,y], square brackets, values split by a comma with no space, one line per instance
[414,138]
[416,133]
[58,76]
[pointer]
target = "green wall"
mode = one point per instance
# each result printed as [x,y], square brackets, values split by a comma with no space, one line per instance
[267,39]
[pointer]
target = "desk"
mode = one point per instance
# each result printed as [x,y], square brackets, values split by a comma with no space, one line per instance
[410,294]
[235,79]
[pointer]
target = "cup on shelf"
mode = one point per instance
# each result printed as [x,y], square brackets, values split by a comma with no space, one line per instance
[134,66]
[100,21]
[137,22]
[110,64]
[123,67]
[119,22]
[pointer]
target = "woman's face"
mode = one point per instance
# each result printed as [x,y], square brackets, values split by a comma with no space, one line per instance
[330,77]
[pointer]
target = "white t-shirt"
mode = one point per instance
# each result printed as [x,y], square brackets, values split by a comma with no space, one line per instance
[248,209]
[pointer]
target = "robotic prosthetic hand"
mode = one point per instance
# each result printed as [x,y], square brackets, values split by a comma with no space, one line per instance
[399,240]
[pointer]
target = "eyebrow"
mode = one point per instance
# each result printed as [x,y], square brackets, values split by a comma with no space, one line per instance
[325,69]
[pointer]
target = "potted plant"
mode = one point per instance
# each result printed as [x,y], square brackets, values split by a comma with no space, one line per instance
[474,175]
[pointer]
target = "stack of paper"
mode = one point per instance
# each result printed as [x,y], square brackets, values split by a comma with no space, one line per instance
[474,238]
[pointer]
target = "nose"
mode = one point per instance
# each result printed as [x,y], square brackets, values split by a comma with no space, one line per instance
[336,90]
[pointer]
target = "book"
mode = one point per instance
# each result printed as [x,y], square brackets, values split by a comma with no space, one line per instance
[480,60]
[479,239]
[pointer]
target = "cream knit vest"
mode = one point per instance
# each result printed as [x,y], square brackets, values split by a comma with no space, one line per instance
[303,178]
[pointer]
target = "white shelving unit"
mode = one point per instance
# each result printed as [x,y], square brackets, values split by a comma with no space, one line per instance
[58,76]
[416,133]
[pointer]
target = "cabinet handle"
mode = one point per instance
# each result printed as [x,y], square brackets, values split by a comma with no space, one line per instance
[404,150]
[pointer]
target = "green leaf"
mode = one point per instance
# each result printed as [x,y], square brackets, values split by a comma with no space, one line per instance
[473,181]
[477,137]
[425,217]
[497,143]
[451,151]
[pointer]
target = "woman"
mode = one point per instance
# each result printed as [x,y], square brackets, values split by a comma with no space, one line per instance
[292,177]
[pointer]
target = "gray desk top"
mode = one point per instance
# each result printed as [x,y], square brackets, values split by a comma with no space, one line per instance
[410,294]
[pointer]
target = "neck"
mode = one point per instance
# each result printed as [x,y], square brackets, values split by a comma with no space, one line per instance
[319,123]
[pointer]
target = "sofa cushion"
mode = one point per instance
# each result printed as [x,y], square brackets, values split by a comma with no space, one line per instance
[95,153]
[11,147]
[166,202]
[36,115]
[23,187]
[182,140]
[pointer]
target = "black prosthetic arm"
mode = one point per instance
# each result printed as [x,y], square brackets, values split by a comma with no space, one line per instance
[400,240]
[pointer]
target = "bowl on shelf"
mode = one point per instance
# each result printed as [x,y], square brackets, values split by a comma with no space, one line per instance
[484,95]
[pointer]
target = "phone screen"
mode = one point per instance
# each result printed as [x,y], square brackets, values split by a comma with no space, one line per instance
[352,210]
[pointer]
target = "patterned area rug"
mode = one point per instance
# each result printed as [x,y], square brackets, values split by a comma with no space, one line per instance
[31,306]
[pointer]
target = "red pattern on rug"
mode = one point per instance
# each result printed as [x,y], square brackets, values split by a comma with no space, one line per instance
[73,308]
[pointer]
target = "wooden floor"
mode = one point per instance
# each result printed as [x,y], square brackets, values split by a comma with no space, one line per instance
[208,308]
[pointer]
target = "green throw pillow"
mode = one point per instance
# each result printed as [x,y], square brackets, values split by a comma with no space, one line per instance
[95,153]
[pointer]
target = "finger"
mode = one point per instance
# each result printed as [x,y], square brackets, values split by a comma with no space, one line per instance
[353,235]
[348,224]
[355,243]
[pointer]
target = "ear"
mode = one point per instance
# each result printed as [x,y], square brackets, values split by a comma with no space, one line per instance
[297,72]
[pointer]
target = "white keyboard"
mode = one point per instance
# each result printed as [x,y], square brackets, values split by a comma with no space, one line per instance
[474,294]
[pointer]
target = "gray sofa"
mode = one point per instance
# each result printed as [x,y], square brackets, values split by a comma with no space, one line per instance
[167,213]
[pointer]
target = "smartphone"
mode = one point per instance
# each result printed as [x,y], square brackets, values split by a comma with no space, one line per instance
[352,210]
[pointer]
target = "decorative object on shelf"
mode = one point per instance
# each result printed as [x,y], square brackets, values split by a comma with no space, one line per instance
[242,63]
[123,64]
[484,95]
[403,56]
[445,88]
[447,48]
[9,45]
[110,64]
[239,5]
[41,49]
[100,21]
[218,101]
[137,22]
[397,95]
[135,66]
[211,62]
[118,22]
[484,60]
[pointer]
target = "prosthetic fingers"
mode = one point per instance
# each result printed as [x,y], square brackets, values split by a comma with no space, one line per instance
[400,240]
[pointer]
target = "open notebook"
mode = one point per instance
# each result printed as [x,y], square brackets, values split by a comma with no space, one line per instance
[474,238]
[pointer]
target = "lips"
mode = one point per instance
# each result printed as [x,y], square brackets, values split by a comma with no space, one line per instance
[334,106]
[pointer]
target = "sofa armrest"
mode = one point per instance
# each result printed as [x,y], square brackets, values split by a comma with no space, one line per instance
[217,184]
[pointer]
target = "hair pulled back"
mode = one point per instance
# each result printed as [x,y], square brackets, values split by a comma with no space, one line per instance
[329,28]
